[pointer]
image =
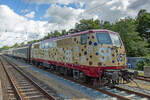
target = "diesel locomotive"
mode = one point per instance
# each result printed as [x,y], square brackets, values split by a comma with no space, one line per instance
[94,56]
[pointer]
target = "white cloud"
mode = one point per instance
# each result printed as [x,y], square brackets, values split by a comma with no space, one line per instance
[51,1]
[30,15]
[65,16]
[24,11]
[111,2]
[103,8]
[13,27]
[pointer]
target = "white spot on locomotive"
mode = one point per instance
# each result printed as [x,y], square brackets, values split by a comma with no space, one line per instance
[68,54]
[83,59]
[90,49]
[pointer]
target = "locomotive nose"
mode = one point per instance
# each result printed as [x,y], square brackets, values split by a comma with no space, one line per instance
[119,55]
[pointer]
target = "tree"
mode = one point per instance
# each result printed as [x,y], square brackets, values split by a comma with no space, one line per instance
[48,35]
[56,34]
[71,31]
[5,47]
[143,25]
[87,24]
[133,43]
[15,45]
[141,12]
[64,32]
[107,25]
[32,41]
[22,44]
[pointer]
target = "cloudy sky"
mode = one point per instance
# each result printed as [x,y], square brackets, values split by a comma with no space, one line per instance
[24,20]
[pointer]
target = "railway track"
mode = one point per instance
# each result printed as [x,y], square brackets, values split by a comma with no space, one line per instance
[118,92]
[7,86]
[23,86]
[143,78]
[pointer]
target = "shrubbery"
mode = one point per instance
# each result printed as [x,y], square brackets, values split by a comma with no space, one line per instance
[141,64]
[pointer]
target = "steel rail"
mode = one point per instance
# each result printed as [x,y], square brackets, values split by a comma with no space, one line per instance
[105,91]
[133,92]
[12,82]
[101,90]
[50,97]
[89,86]
[92,87]
[143,78]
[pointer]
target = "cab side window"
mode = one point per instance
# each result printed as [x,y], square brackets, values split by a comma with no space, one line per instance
[83,39]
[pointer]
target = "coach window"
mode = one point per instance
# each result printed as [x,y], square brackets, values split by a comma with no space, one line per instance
[32,46]
[46,45]
[83,39]
[42,44]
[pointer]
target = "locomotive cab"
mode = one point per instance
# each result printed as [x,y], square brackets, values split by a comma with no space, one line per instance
[111,58]
[110,49]
[104,51]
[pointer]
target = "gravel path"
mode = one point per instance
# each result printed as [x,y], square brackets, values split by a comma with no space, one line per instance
[67,89]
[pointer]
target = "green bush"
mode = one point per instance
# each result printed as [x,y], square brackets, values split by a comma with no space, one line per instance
[140,65]
[147,62]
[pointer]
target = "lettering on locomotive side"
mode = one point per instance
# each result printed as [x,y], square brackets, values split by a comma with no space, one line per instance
[120,57]
[105,52]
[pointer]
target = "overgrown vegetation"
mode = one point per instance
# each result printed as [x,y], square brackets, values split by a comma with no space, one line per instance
[141,64]
[135,33]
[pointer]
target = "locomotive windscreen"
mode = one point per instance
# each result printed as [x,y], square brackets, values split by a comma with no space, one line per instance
[103,38]
[115,39]
[106,38]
